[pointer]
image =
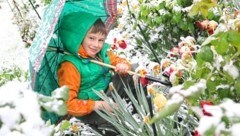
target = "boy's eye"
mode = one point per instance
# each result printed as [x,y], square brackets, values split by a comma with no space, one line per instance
[101,40]
[91,38]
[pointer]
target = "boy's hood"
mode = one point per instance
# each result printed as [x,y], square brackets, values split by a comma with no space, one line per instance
[73,29]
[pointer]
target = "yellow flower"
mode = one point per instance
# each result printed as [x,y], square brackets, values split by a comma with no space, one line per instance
[156,69]
[151,90]
[146,119]
[120,10]
[135,6]
[111,87]
[75,128]
[124,3]
[159,101]
[141,71]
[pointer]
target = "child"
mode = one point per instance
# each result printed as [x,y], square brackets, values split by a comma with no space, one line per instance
[83,35]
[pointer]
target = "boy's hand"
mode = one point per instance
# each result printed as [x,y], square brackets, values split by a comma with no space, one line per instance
[103,105]
[122,68]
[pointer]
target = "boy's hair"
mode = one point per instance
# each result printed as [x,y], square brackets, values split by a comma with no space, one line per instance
[99,26]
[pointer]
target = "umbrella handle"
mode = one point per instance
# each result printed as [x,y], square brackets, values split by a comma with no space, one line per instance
[151,78]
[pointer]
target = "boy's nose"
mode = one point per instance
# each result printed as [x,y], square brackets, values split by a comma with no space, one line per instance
[96,43]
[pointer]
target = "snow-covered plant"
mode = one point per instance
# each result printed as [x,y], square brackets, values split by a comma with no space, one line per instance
[20,112]
[223,119]
[217,64]
[56,102]
[162,23]
[26,16]
[74,127]
[218,60]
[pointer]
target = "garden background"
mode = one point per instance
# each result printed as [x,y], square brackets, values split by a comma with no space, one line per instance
[193,44]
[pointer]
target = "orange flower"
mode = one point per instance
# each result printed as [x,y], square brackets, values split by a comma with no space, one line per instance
[142,72]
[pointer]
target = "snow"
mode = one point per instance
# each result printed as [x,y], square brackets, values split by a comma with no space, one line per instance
[13,52]
[21,111]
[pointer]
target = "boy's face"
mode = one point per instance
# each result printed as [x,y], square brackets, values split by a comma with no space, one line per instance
[93,43]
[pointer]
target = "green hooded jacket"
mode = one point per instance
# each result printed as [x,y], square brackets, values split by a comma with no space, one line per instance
[72,31]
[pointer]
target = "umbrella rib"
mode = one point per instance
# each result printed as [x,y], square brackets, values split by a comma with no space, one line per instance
[42,67]
[49,68]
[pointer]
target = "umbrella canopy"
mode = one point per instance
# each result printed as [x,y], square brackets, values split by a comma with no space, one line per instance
[46,50]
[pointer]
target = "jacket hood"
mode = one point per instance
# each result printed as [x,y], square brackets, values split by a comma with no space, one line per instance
[73,29]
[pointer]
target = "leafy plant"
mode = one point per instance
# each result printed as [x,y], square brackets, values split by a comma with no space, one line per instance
[133,118]
[163,24]
[12,74]
[217,71]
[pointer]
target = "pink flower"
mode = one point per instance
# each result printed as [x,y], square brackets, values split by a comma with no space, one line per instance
[115,40]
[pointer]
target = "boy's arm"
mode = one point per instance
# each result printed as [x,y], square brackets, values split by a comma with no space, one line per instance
[68,75]
[114,59]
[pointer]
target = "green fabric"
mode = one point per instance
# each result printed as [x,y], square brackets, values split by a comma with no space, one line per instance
[95,7]
[93,76]
[73,28]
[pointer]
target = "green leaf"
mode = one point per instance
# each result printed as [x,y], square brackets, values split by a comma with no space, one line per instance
[221,44]
[237,86]
[206,54]
[204,10]
[158,20]
[177,17]
[202,7]
[161,5]
[65,125]
[211,15]
[188,83]
[203,72]
[194,10]
[234,38]
[211,86]
[223,93]
[199,60]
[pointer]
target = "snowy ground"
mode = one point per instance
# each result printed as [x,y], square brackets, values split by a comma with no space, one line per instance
[13,51]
